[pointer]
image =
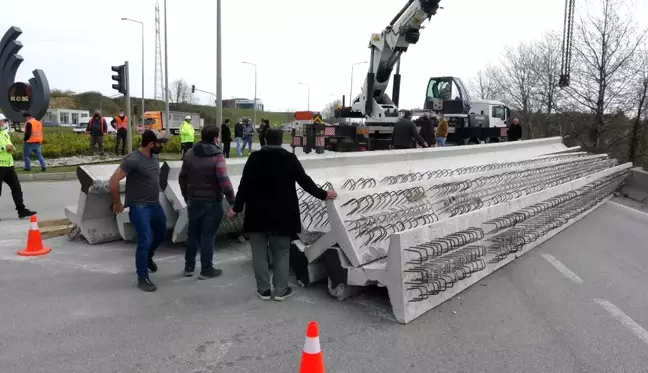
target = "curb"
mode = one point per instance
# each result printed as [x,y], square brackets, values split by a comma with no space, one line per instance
[54,176]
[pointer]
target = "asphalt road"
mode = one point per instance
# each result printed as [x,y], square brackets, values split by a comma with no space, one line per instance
[575,304]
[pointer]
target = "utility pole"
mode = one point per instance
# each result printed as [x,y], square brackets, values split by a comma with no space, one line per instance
[129,134]
[166,75]
[219,75]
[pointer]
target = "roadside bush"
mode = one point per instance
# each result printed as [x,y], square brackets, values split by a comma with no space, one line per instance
[63,142]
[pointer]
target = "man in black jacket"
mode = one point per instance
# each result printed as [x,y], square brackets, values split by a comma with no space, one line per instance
[265,124]
[427,129]
[226,138]
[238,137]
[97,128]
[405,132]
[268,193]
[514,132]
[203,181]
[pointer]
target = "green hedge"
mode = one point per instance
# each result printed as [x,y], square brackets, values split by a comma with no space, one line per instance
[63,142]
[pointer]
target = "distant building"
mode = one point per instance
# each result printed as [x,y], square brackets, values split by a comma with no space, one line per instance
[242,103]
[66,117]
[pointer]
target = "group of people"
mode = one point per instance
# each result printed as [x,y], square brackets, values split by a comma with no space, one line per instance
[97,129]
[434,132]
[266,192]
[243,135]
[406,135]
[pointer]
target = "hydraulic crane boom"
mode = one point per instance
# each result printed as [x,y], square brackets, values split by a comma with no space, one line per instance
[386,50]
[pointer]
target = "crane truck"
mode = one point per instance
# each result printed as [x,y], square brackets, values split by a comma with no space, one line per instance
[367,124]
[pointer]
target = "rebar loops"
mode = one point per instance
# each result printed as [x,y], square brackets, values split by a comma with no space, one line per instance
[313,211]
[437,265]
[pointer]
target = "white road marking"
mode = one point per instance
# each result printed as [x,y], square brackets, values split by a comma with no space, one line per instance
[562,268]
[615,312]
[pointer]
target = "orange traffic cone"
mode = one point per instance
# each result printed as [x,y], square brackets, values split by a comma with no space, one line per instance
[312,360]
[34,241]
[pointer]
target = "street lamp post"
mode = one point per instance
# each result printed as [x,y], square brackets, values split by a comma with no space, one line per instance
[351,90]
[307,85]
[254,122]
[166,74]
[141,24]
[219,78]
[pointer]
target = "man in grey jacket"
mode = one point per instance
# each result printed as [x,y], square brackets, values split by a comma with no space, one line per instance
[405,132]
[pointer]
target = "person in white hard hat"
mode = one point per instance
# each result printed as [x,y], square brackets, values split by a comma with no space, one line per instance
[8,172]
[187,134]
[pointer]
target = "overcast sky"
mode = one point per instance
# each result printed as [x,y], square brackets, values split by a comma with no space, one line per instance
[311,41]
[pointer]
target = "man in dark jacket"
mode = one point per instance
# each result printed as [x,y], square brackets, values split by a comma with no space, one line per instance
[97,128]
[267,191]
[226,137]
[427,129]
[265,124]
[405,132]
[203,181]
[514,132]
[238,137]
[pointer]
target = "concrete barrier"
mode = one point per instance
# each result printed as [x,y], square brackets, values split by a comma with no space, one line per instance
[636,187]
[427,251]
[93,214]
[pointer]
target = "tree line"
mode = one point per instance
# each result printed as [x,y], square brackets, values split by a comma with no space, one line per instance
[605,108]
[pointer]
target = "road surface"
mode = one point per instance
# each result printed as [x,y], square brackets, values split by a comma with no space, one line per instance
[578,303]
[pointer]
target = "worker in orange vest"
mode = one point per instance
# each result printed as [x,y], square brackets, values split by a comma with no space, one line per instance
[120,123]
[33,141]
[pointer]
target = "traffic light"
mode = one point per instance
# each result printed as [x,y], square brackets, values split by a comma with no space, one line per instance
[120,78]
[193,88]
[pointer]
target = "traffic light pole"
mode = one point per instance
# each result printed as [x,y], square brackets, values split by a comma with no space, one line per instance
[129,133]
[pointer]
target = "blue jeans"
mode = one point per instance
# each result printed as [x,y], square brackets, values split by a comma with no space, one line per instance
[29,148]
[205,216]
[150,228]
[247,140]
[239,141]
[440,141]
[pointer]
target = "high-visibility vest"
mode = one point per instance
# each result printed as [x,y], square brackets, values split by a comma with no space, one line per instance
[36,132]
[6,159]
[121,122]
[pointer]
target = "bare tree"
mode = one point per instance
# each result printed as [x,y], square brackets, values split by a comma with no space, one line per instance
[517,80]
[483,85]
[546,67]
[180,92]
[604,68]
[641,91]
[329,110]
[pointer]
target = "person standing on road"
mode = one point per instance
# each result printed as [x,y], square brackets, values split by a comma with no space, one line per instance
[226,138]
[97,128]
[32,141]
[203,181]
[238,137]
[405,132]
[268,194]
[141,169]
[514,132]
[442,133]
[427,129]
[8,172]
[248,134]
[187,134]
[265,124]
[120,123]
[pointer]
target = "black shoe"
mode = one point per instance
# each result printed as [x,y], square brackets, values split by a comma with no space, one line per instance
[146,285]
[189,271]
[210,273]
[152,266]
[25,213]
[44,169]
[286,294]
[26,169]
[264,295]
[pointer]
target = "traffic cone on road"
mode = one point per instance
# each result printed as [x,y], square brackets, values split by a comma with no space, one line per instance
[34,240]
[312,360]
